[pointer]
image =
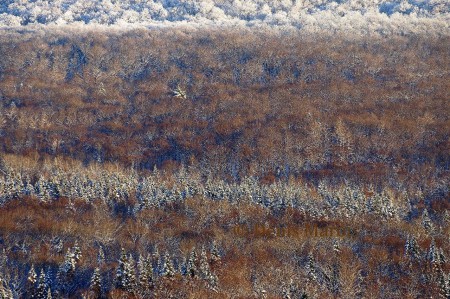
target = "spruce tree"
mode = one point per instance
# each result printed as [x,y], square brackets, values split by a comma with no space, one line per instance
[41,292]
[412,249]
[426,221]
[129,282]
[156,261]
[311,267]
[433,256]
[443,284]
[30,288]
[191,267]
[77,252]
[204,265]
[101,256]
[167,268]
[96,285]
[215,254]
[120,273]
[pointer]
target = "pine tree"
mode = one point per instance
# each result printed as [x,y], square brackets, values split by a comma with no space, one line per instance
[96,285]
[191,267]
[446,218]
[156,261]
[311,267]
[120,273]
[41,292]
[215,254]
[433,256]
[167,268]
[144,274]
[183,267]
[204,265]
[412,249]
[30,289]
[443,285]
[66,272]
[101,256]
[49,294]
[129,281]
[426,221]
[77,252]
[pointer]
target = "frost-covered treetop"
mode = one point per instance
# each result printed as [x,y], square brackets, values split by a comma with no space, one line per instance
[363,16]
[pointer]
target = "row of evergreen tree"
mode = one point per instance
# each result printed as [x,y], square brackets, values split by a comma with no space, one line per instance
[138,276]
[154,190]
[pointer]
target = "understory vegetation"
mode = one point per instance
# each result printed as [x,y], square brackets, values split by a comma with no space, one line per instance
[128,160]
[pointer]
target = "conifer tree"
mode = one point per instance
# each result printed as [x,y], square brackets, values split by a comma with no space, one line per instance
[121,270]
[215,254]
[204,265]
[412,249]
[30,289]
[426,221]
[101,256]
[311,267]
[433,256]
[156,261]
[446,217]
[167,268]
[41,292]
[191,267]
[443,285]
[96,285]
[130,275]
[77,252]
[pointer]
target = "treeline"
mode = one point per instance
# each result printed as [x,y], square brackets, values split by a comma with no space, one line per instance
[255,102]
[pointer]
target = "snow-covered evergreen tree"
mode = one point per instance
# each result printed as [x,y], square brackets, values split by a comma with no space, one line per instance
[77,252]
[215,253]
[145,273]
[167,268]
[412,249]
[311,267]
[121,270]
[426,221]
[204,265]
[130,281]
[96,284]
[101,256]
[30,287]
[191,267]
[41,292]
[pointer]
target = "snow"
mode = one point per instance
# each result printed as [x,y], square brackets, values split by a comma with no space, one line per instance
[361,16]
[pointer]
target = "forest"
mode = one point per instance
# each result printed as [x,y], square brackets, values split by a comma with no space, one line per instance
[129,158]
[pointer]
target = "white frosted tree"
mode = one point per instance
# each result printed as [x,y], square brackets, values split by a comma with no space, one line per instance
[191,267]
[96,284]
[167,268]
[30,288]
[311,267]
[426,221]
[121,269]
[41,292]
[204,265]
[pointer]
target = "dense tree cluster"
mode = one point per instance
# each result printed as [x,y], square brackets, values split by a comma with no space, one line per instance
[128,159]
[399,16]
[311,108]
